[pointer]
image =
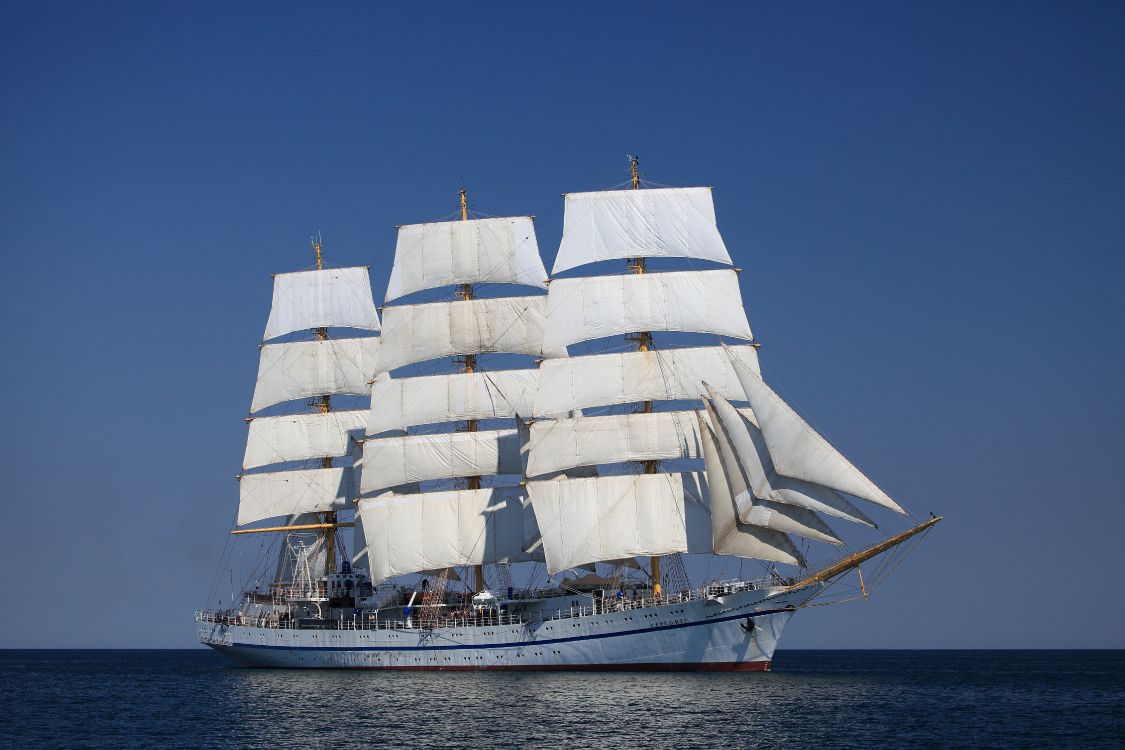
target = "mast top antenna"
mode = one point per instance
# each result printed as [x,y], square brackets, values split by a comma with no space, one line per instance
[316,243]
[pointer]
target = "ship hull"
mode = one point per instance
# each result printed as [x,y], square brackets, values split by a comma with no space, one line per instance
[733,633]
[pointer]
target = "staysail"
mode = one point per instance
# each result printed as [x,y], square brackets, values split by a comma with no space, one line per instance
[799,451]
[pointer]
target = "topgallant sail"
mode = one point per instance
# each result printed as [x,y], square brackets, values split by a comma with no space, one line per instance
[565,506]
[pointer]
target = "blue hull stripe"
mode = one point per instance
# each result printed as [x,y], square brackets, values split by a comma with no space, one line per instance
[521,644]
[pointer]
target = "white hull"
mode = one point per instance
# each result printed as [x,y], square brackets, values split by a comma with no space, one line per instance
[709,634]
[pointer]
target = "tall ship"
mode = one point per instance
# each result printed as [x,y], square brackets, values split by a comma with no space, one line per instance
[521,472]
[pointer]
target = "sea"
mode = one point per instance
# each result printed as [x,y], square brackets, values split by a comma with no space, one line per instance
[811,699]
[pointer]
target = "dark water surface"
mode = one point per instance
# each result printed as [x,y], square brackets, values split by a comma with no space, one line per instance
[846,699]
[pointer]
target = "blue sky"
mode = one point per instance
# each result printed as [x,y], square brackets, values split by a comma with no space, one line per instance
[928,202]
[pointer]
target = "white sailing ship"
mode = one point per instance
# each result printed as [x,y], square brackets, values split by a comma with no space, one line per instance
[537,458]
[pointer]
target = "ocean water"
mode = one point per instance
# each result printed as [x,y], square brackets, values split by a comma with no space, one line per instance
[839,699]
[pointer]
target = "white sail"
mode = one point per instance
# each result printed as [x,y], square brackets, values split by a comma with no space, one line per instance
[750,448]
[501,250]
[433,530]
[626,377]
[284,493]
[558,445]
[747,485]
[747,479]
[391,461]
[730,536]
[595,307]
[798,450]
[611,224]
[790,519]
[415,333]
[607,518]
[336,297]
[295,437]
[398,403]
[304,369]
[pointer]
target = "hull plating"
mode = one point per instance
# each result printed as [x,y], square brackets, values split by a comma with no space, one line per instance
[737,633]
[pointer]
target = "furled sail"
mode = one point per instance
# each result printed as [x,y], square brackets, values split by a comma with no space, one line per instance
[391,461]
[798,450]
[284,493]
[608,518]
[295,437]
[730,535]
[595,307]
[500,250]
[415,333]
[314,368]
[611,224]
[625,377]
[398,403]
[433,530]
[557,445]
[336,297]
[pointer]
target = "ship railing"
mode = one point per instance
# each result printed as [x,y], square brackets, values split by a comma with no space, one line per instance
[607,603]
[621,602]
[452,620]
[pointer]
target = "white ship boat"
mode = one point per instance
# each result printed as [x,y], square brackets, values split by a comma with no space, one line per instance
[535,513]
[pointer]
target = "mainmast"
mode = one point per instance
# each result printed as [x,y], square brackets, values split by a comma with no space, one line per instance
[473,525]
[643,340]
[324,405]
[468,363]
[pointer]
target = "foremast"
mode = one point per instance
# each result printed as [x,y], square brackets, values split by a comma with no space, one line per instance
[468,363]
[766,474]
[644,342]
[651,518]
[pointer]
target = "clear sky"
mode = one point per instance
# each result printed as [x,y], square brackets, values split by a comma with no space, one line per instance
[928,202]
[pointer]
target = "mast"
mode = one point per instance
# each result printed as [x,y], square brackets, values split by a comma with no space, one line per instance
[468,363]
[460,253]
[643,340]
[308,372]
[766,474]
[325,406]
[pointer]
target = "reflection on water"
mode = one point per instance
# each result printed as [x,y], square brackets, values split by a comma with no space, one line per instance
[116,699]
